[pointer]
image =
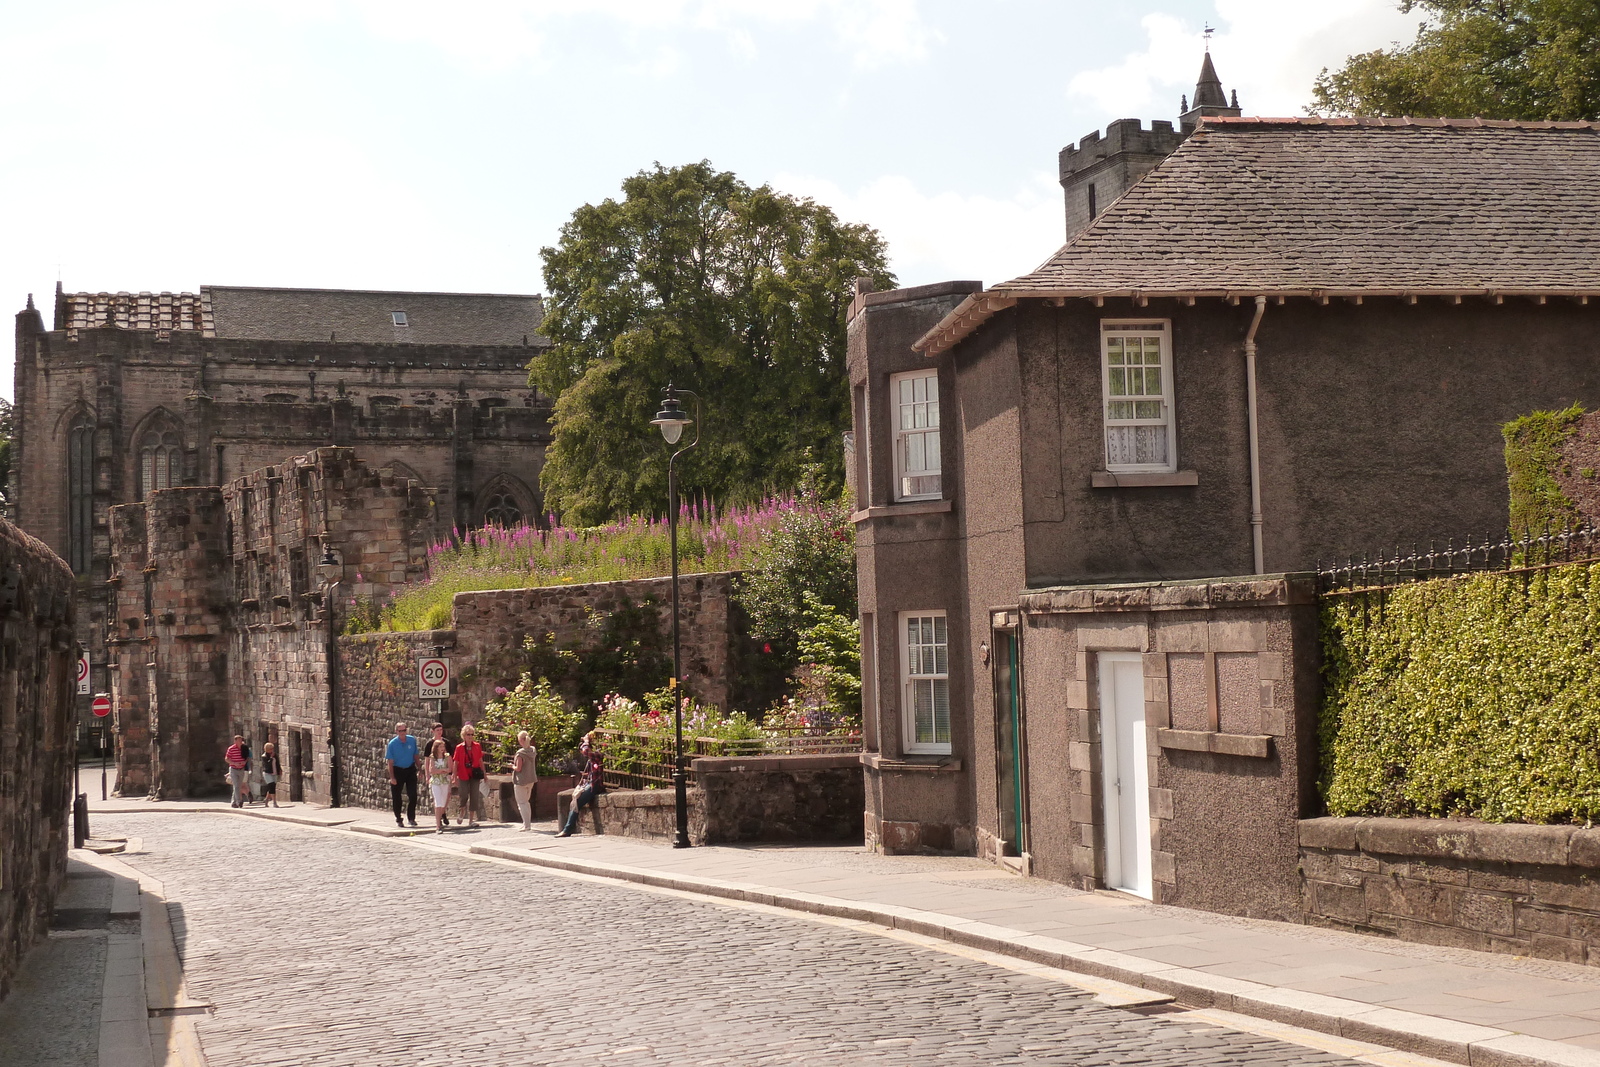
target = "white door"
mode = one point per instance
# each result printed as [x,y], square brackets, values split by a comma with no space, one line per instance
[1126,772]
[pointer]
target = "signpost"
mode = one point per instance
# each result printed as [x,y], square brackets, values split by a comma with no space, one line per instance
[102,708]
[83,674]
[433,678]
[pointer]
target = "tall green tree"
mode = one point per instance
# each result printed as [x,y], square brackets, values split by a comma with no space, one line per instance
[7,431]
[737,293]
[1500,59]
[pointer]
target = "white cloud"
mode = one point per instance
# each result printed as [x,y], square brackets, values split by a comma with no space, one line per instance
[495,34]
[937,236]
[1268,50]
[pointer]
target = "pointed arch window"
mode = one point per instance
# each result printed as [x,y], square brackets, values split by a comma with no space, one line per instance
[502,510]
[80,494]
[160,461]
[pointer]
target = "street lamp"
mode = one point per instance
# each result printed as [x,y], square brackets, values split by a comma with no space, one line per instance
[331,571]
[671,420]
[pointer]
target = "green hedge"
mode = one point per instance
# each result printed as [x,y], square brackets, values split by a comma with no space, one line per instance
[1473,696]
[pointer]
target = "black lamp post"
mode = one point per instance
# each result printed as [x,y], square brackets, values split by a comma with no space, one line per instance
[671,420]
[332,572]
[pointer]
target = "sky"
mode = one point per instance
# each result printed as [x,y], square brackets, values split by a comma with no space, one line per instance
[418,145]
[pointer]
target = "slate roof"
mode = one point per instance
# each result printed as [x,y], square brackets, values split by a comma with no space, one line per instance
[355,315]
[1344,207]
[314,315]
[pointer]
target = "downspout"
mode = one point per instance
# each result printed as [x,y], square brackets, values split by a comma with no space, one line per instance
[1255,437]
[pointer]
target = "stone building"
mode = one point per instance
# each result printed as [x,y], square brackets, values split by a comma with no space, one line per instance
[1097,169]
[129,393]
[1291,339]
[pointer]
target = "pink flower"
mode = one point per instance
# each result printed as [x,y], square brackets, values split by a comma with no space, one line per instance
[500,690]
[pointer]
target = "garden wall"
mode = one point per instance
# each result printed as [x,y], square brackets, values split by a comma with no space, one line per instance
[377,684]
[1526,890]
[37,661]
[737,798]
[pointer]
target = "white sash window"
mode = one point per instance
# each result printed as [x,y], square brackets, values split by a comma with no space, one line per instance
[925,655]
[916,437]
[1137,387]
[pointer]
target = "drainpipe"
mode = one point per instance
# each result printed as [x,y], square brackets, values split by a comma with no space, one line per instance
[1255,437]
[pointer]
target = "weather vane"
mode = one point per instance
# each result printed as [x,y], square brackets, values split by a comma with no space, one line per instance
[1209,31]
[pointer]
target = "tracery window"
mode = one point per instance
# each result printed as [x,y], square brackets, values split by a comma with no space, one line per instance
[160,461]
[80,494]
[503,511]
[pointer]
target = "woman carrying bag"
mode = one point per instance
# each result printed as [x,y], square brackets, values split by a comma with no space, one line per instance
[469,772]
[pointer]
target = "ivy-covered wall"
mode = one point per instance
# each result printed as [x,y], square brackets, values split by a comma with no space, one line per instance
[1473,696]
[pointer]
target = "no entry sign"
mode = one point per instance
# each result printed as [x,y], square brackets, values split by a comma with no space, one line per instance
[433,678]
[83,675]
[101,705]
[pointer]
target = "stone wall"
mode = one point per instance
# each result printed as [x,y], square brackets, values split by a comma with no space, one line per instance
[37,662]
[1521,889]
[491,624]
[781,798]
[733,799]
[378,688]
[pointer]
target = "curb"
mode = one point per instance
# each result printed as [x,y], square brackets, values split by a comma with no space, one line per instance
[1425,1035]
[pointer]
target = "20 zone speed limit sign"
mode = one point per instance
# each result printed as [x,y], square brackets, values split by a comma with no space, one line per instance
[433,678]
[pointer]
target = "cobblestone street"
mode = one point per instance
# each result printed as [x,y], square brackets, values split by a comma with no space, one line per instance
[329,948]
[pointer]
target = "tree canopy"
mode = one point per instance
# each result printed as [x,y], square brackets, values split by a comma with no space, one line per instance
[736,293]
[1500,59]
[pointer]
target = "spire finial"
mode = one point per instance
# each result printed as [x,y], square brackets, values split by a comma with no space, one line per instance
[30,302]
[1208,32]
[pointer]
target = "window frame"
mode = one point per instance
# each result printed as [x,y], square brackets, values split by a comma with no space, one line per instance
[899,435]
[909,743]
[1169,422]
[399,319]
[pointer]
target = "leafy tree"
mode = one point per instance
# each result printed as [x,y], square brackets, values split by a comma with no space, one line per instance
[1501,59]
[7,430]
[695,278]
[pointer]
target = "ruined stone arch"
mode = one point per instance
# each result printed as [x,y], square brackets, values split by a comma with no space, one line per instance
[403,471]
[505,500]
[157,448]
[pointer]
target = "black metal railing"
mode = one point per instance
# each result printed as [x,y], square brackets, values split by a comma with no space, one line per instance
[644,760]
[1525,553]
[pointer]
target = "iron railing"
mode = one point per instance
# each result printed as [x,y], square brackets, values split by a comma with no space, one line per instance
[644,760]
[1513,554]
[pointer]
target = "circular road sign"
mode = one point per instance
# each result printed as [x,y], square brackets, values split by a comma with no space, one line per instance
[102,705]
[434,672]
[83,668]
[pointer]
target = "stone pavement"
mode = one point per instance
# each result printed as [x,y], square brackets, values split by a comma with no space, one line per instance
[326,947]
[1456,1005]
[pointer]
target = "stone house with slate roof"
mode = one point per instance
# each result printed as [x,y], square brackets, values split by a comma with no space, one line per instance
[1290,340]
[128,393]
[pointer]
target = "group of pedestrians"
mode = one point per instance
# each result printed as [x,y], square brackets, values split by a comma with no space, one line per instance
[450,769]
[238,759]
[459,769]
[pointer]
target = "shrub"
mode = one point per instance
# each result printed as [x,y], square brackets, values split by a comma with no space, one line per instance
[537,708]
[1472,696]
[810,552]
[1533,454]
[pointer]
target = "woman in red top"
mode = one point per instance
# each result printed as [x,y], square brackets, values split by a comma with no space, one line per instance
[469,771]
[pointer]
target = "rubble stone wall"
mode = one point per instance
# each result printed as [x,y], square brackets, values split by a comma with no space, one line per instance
[1516,888]
[37,665]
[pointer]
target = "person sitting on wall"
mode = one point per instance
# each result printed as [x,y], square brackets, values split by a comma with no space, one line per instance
[469,772]
[591,786]
[238,770]
[401,756]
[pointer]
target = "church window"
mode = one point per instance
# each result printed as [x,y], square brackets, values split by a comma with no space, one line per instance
[503,511]
[80,494]
[399,318]
[160,461]
[1137,389]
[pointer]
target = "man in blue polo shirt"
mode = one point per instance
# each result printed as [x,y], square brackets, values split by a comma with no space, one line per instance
[401,756]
